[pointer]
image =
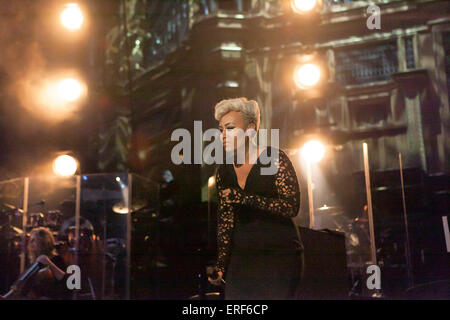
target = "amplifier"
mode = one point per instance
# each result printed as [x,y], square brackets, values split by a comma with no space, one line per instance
[325,273]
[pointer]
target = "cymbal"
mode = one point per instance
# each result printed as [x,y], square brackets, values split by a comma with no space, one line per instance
[333,211]
[11,207]
[121,208]
[9,232]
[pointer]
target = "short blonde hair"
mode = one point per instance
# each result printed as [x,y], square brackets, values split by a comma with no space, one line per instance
[248,108]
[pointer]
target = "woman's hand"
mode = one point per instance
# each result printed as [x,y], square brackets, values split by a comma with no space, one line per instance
[231,196]
[217,281]
[43,259]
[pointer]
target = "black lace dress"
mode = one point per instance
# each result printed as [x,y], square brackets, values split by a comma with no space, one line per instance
[259,249]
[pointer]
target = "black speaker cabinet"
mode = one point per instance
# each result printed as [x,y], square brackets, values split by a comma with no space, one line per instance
[325,273]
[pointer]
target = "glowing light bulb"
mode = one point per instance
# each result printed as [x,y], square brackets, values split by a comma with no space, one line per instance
[211,181]
[307,75]
[65,165]
[69,89]
[72,17]
[313,151]
[301,6]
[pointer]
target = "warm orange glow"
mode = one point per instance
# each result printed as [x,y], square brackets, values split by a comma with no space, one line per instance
[301,6]
[72,17]
[69,89]
[65,166]
[211,181]
[307,75]
[313,151]
[59,97]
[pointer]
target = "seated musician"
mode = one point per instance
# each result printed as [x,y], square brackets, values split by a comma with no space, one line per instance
[50,281]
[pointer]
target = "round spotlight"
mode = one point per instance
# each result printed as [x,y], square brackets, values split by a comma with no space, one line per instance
[72,17]
[307,75]
[301,6]
[313,151]
[69,89]
[65,166]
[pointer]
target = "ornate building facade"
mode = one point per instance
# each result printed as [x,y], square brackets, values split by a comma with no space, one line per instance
[169,62]
[392,86]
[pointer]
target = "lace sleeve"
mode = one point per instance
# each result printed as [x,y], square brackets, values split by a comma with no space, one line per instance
[225,224]
[287,203]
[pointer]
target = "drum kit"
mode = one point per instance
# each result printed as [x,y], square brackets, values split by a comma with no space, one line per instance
[52,219]
[356,232]
[99,257]
[14,240]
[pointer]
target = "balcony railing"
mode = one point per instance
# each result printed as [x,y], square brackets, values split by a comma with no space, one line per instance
[367,64]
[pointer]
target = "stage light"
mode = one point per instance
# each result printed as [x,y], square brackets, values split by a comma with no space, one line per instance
[69,89]
[302,6]
[72,17]
[211,181]
[59,96]
[65,166]
[307,75]
[313,151]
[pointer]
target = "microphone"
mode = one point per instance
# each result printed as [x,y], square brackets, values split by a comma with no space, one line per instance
[212,273]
